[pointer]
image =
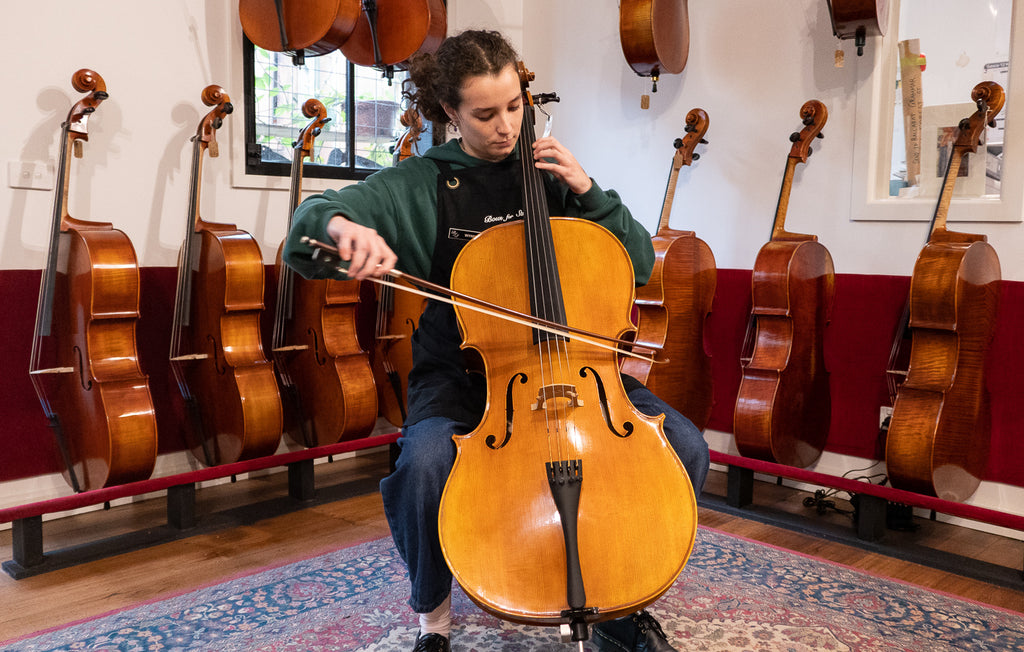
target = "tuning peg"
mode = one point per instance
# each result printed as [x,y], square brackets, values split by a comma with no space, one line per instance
[794,137]
[695,156]
[677,143]
[992,123]
[703,142]
[821,134]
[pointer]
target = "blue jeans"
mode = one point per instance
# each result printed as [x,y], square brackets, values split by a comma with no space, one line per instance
[412,494]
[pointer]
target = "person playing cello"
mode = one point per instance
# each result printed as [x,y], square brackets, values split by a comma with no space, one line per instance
[416,217]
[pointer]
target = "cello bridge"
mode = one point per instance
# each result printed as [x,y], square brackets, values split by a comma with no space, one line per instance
[557,396]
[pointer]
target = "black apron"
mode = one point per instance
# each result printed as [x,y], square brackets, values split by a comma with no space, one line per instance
[468,202]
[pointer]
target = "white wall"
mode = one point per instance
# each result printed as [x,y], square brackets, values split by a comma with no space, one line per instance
[751,66]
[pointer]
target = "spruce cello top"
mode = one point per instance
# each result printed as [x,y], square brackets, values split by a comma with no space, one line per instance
[84,362]
[783,407]
[560,452]
[323,371]
[939,433]
[228,385]
[674,304]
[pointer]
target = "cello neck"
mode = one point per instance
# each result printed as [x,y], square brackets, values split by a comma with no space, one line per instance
[546,300]
[989,98]
[204,139]
[670,194]
[696,127]
[315,109]
[813,114]
[74,128]
[779,231]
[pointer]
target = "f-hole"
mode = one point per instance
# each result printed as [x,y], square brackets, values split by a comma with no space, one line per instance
[509,413]
[627,426]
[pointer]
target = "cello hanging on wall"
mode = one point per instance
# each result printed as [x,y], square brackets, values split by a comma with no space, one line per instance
[674,304]
[300,27]
[560,452]
[390,32]
[229,388]
[324,372]
[938,438]
[783,407]
[84,363]
[655,38]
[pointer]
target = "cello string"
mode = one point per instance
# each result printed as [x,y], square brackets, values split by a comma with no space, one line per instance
[546,283]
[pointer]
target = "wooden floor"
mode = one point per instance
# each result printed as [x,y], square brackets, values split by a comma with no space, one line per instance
[71,594]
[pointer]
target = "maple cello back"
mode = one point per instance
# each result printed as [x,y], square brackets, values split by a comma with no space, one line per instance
[783,408]
[938,437]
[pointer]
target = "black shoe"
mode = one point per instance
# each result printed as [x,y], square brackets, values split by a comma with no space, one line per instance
[432,643]
[637,633]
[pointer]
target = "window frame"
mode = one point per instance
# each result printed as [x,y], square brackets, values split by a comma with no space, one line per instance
[255,166]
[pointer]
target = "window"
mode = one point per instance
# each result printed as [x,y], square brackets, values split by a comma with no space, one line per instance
[365,110]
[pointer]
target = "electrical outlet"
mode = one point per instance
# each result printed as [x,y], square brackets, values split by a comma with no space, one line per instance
[35,175]
[884,413]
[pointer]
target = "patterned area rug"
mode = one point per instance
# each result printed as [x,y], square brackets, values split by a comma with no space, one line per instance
[734,594]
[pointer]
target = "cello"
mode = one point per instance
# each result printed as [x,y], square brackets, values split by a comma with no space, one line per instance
[84,363]
[301,27]
[560,451]
[939,433]
[674,304]
[655,36]
[387,33]
[857,19]
[317,356]
[783,407]
[228,385]
[397,312]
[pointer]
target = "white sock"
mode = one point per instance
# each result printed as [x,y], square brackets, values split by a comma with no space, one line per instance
[438,621]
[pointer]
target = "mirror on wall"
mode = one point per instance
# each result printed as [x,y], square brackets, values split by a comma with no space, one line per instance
[944,48]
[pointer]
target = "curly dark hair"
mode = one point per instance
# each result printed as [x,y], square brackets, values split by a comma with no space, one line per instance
[437,78]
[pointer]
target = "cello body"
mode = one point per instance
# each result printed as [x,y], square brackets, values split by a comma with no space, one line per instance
[673,306]
[655,36]
[397,315]
[228,385]
[939,434]
[783,406]
[485,547]
[319,361]
[315,27]
[560,453]
[389,32]
[94,392]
